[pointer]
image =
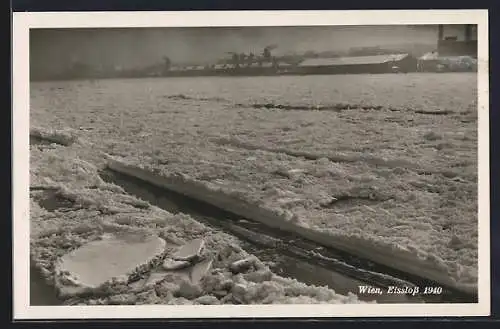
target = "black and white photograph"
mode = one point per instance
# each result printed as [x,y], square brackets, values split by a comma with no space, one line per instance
[200,167]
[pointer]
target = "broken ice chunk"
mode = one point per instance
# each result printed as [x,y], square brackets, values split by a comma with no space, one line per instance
[171,264]
[190,250]
[207,300]
[259,276]
[242,265]
[154,278]
[189,290]
[200,270]
[115,256]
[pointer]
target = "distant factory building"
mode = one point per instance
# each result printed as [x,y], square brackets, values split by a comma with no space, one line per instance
[457,44]
[359,64]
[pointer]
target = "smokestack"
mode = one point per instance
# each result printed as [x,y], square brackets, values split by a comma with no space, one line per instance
[440,32]
[468,32]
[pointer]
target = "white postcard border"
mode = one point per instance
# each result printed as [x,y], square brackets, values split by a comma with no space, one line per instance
[23,21]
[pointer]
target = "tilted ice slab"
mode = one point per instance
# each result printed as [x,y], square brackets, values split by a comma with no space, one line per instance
[115,256]
[389,255]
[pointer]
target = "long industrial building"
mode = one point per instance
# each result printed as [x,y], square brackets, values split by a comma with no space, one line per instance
[359,64]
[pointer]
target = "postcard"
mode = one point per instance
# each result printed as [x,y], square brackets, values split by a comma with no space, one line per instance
[251,164]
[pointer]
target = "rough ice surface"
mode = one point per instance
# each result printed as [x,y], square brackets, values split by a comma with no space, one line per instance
[408,259]
[100,246]
[386,173]
[170,264]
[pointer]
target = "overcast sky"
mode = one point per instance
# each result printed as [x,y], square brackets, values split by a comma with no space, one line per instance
[53,49]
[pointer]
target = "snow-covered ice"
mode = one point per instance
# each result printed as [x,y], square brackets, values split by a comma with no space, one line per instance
[388,175]
[107,247]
